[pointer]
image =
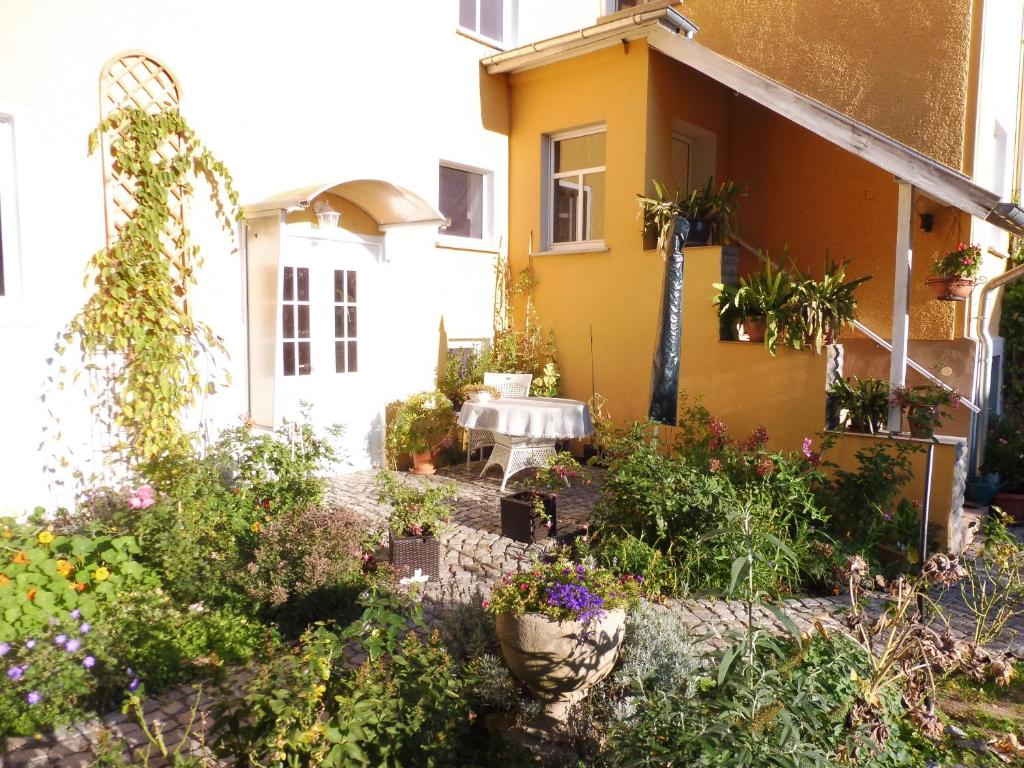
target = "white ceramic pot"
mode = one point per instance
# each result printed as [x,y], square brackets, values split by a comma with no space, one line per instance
[555,660]
[481,397]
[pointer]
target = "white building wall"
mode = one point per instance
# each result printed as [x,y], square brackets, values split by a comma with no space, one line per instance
[286,96]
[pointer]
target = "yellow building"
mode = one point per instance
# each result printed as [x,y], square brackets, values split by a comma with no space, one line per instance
[597,115]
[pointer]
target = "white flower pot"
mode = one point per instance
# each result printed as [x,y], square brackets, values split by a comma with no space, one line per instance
[555,660]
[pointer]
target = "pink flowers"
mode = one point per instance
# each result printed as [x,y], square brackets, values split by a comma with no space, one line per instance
[806,448]
[764,467]
[142,498]
[714,466]
[485,603]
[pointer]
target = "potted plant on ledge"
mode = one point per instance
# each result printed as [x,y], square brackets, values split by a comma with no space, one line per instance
[423,424]
[863,404]
[418,517]
[925,407]
[560,626]
[759,303]
[525,512]
[821,309]
[956,273]
[710,213]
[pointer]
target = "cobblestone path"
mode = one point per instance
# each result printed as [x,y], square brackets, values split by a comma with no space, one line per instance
[474,555]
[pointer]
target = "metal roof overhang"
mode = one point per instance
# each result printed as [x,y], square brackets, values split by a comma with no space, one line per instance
[386,203]
[670,33]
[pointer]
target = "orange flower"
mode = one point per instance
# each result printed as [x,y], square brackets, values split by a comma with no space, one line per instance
[4,581]
[32,593]
[64,568]
[79,586]
[20,559]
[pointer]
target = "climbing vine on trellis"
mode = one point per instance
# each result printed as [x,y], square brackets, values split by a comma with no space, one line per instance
[136,332]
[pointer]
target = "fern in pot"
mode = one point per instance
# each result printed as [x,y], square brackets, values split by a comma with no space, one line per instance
[760,303]
[863,404]
[711,212]
[821,309]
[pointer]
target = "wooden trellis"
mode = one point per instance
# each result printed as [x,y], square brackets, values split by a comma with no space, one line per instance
[136,79]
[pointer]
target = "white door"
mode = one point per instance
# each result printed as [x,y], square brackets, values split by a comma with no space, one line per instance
[327,351]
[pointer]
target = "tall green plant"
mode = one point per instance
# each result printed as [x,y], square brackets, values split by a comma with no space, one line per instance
[137,329]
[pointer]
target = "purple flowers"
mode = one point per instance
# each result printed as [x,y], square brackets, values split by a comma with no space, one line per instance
[72,645]
[88,662]
[33,697]
[584,604]
[75,614]
[85,627]
[30,644]
[60,639]
[15,673]
[5,648]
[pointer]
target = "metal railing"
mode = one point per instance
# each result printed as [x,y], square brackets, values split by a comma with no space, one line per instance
[873,336]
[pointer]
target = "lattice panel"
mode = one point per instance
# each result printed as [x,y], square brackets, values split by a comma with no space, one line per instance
[136,80]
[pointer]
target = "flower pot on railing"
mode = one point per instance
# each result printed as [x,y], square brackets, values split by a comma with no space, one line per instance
[412,553]
[522,521]
[921,420]
[951,288]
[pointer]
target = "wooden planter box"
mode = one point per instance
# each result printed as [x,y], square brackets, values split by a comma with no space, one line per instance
[519,520]
[411,552]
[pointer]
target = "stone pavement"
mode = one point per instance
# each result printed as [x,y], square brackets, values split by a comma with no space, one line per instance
[474,555]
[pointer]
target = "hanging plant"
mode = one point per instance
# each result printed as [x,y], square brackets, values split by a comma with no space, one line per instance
[137,330]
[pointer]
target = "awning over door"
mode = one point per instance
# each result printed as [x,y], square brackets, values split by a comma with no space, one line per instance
[386,203]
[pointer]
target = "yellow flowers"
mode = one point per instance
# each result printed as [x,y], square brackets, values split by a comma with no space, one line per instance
[45,537]
[65,568]
[101,574]
[255,527]
[6,532]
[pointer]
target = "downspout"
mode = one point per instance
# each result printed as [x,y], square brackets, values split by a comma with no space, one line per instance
[980,426]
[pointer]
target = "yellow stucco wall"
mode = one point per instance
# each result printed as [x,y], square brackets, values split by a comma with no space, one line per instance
[901,67]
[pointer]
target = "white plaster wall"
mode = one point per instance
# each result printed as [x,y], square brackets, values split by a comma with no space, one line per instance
[286,95]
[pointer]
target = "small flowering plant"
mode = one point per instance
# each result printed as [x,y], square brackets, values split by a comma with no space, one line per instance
[564,591]
[423,511]
[926,405]
[560,471]
[964,262]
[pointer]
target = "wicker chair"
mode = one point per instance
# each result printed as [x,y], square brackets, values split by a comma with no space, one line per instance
[509,385]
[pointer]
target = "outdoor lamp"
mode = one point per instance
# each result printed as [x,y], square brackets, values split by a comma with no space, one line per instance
[325,215]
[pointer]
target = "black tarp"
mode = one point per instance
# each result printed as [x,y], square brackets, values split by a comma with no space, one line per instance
[665,370]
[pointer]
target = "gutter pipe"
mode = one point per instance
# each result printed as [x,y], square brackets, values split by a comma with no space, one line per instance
[979,427]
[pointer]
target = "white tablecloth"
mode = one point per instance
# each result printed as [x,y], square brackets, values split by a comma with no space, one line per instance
[537,417]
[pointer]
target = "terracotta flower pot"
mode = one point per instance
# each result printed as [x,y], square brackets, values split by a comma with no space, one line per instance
[423,463]
[951,288]
[1012,504]
[555,659]
[922,428]
[755,328]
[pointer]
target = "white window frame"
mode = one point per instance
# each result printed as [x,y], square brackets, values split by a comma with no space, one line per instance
[509,26]
[547,199]
[486,241]
[612,6]
[13,124]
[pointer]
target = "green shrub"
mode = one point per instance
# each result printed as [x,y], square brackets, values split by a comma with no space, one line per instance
[1004,452]
[666,508]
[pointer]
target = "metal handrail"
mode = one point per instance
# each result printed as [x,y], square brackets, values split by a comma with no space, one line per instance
[873,336]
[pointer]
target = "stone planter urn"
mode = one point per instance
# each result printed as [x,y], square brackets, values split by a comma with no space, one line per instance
[557,660]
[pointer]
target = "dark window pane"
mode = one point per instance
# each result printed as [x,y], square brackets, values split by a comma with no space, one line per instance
[304,367]
[491,18]
[339,322]
[467,14]
[289,291]
[563,228]
[339,285]
[302,275]
[339,357]
[461,198]
[303,329]
[288,321]
[351,329]
[351,295]
[352,357]
[289,358]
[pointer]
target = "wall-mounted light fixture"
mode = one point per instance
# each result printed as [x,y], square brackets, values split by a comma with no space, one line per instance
[927,221]
[325,215]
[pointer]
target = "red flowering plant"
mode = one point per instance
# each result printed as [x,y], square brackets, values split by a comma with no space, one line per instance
[964,262]
[563,590]
[926,405]
[560,471]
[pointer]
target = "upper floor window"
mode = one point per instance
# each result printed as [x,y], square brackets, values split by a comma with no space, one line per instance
[487,18]
[575,194]
[463,194]
[614,6]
